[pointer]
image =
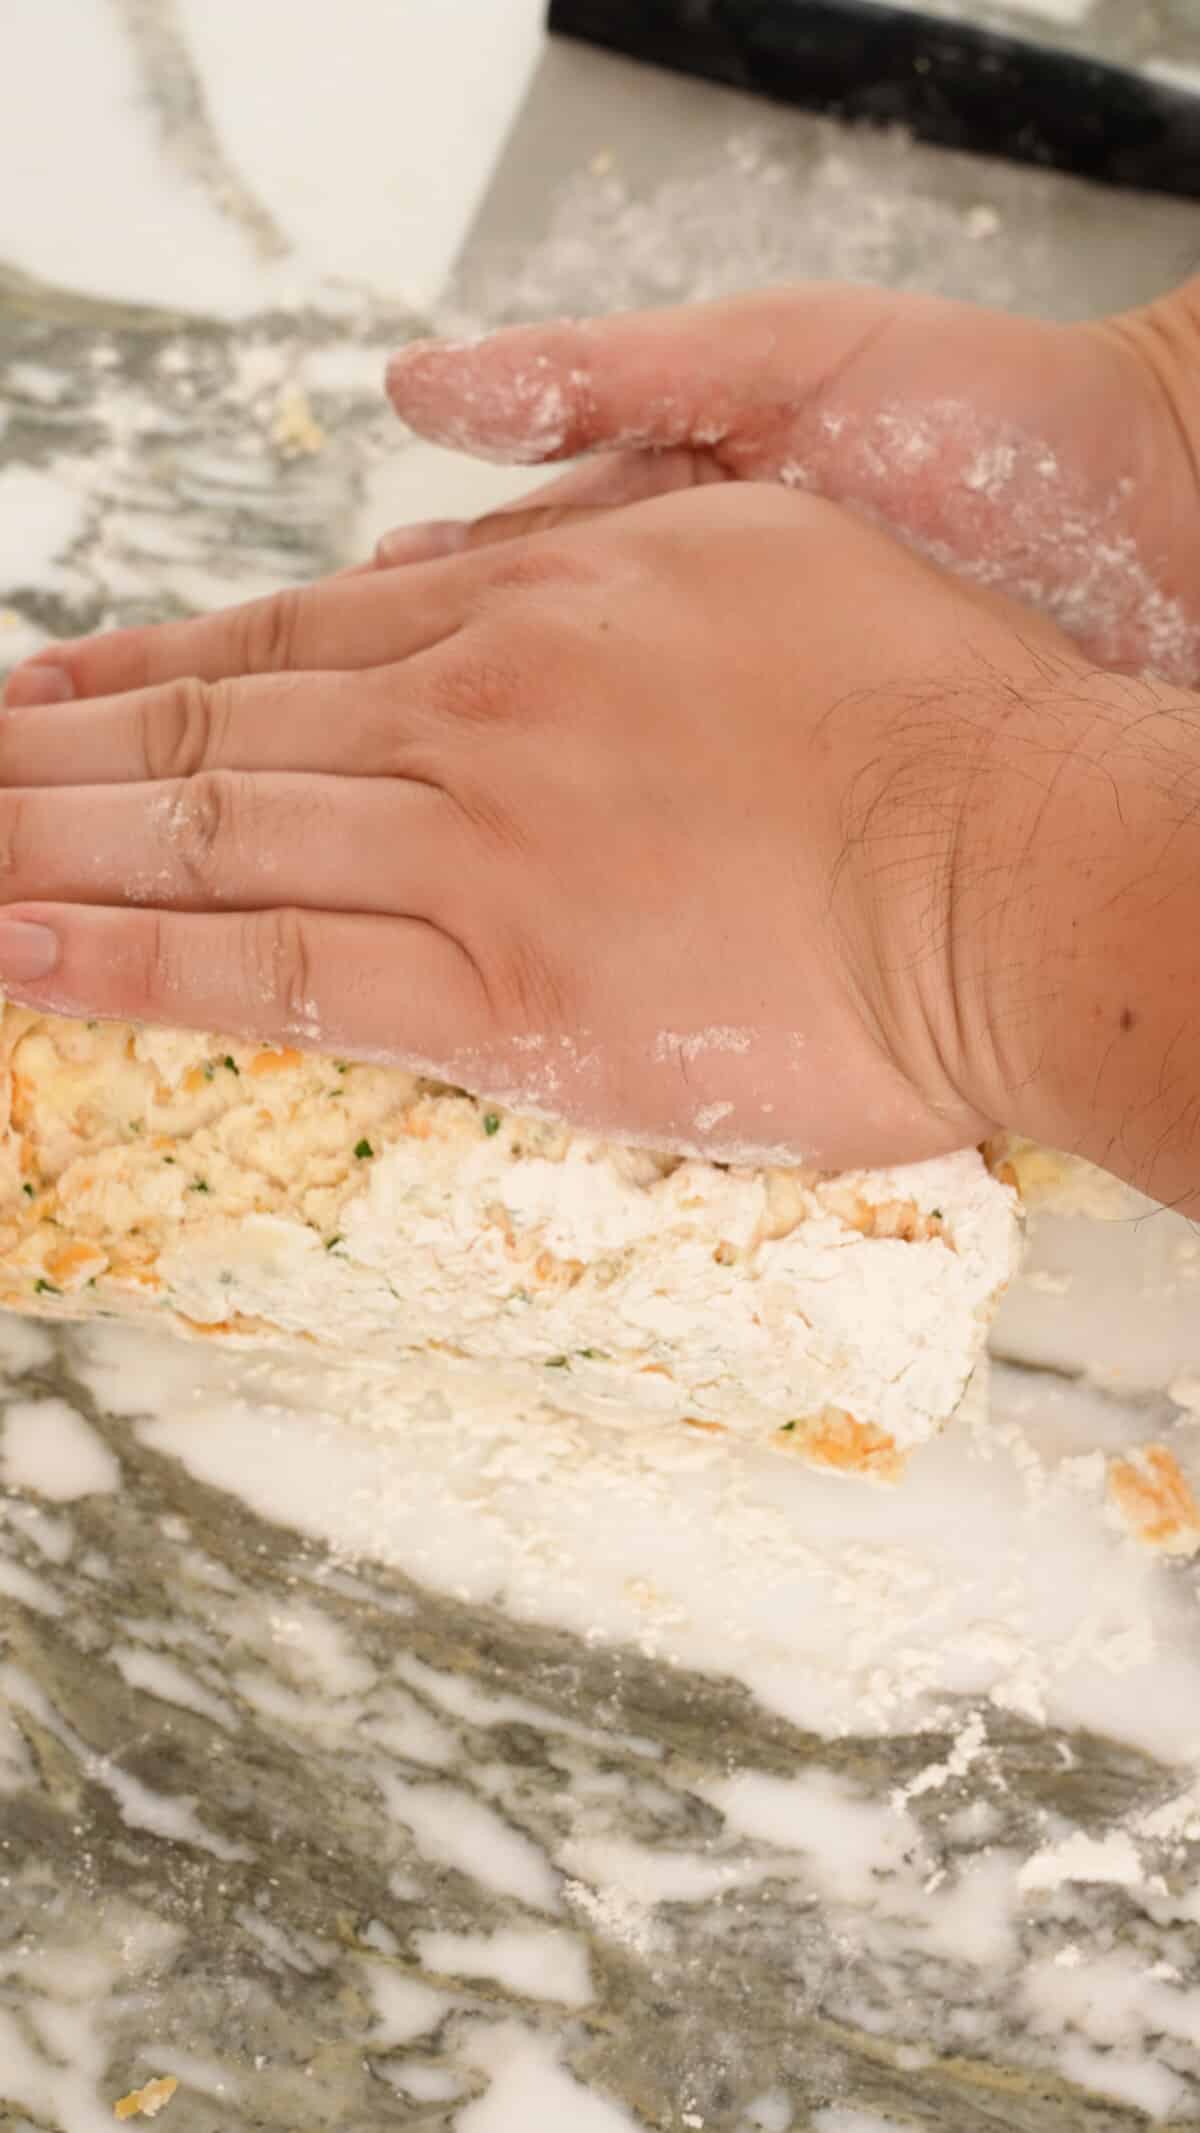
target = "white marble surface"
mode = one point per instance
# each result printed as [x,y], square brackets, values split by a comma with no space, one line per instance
[416,1757]
[371,1768]
[359,137]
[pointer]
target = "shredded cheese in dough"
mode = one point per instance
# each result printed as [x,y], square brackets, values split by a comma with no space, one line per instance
[1148,1488]
[147,2102]
[255,1193]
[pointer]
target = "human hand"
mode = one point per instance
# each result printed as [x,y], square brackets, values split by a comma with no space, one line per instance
[1055,463]
[695,822]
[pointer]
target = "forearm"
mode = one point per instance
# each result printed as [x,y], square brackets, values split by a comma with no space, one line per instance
[1095,942]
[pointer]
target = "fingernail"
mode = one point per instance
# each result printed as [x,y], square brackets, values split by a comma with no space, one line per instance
[421,544]
[39,683]
[27,952]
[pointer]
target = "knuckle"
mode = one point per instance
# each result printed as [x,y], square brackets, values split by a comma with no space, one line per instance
[490,813]
[268,632]
[485,686]
[202,829]
[182,734]
[527,984]
[545,565]
[276,973]
[14,840]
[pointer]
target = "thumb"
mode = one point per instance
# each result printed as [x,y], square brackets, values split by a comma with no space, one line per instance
[651,380]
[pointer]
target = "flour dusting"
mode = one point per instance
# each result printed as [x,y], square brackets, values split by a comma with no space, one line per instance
[847,208]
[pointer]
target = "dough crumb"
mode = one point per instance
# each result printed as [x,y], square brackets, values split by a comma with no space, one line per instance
[295,431]
[843,1445]
[1149,1490]
[147,2102]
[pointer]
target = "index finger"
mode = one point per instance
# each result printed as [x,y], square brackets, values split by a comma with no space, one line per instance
[345,623]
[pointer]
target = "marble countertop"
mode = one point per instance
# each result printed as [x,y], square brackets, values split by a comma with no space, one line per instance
[360,1769]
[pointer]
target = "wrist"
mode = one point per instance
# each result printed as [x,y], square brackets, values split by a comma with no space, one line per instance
[1091,945]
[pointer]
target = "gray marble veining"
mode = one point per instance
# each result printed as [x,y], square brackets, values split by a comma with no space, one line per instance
[189,138]
[170,435]
[291,1783]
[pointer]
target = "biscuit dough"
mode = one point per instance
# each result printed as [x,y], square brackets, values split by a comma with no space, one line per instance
[255,1194]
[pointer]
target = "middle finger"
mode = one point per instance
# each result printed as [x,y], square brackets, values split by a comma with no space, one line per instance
[337,724]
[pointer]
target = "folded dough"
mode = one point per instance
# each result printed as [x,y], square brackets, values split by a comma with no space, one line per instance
[255,1194]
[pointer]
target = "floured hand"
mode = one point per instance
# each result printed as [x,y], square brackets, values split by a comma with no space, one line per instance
[1056,463]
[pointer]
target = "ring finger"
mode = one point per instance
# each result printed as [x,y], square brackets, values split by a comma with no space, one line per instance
[230,840]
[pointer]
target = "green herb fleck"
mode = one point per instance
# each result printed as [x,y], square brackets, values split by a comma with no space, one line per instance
[936,1215]
[364,1151]
[46,1288]
[559,1362]
[198,1185]
[170,1158]
[209,1070]
[231,1063]
[91,1025]
[28,1190]
[491,1123]
[330,1242]
[786,1428]
[593,1355]
[341,1066]
[137,1125]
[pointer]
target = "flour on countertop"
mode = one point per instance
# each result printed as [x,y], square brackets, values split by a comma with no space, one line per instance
[1113,1859]
[851,209]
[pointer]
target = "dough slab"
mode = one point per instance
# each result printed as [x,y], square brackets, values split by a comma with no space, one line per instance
[251,1194]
